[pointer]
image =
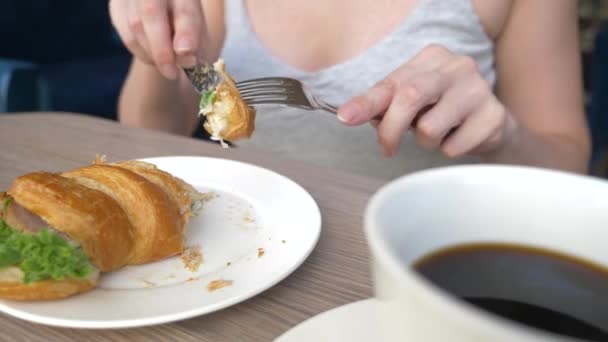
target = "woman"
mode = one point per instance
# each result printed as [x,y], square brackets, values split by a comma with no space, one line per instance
[492,80]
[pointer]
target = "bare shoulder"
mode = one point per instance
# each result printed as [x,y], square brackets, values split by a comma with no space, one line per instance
[493,15]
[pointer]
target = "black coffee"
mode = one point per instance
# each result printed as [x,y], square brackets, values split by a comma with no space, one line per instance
[536,287]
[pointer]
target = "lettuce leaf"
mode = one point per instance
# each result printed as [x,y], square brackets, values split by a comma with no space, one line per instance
[206,98]
[7,203]
[42,255]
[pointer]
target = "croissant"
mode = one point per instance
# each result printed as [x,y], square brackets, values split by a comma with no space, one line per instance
[59,231]
[227,116]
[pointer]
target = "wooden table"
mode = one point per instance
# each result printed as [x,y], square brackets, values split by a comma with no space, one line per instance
[336,273]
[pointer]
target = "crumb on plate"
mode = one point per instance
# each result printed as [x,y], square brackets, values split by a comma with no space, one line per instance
[192,257]
[260,252]
[148,283]
[247,218]
[218,284]
[100,159]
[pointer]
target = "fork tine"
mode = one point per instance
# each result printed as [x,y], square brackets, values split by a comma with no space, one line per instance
[268,83]
[269,91]
[275,97]
[260,87]
[254,86]
[268,95]
[253,102]
[277,90]
[272,99]
[265,80]
[280,103]
[260,84]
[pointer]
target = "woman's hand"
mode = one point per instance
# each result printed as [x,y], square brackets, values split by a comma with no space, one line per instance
[165,33]
[443,98]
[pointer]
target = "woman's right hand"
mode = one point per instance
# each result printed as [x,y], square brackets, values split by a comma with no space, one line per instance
[165,33]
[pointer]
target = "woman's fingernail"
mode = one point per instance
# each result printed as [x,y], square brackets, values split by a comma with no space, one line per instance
[187,61]
[348,113]
[169,71]
[183,45]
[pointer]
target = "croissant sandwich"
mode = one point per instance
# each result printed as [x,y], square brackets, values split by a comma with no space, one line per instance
[227,116]
[59,231]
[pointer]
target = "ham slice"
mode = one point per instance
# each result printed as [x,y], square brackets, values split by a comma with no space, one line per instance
[22,219]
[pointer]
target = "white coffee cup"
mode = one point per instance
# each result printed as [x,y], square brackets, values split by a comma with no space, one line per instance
[423,212]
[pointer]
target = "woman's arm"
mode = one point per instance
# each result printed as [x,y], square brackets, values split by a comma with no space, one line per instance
[153,96]
[150,100]
[539,81]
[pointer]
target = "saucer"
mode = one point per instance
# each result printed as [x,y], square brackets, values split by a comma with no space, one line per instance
[351,322]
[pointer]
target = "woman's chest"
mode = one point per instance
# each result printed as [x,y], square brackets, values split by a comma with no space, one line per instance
[313,35]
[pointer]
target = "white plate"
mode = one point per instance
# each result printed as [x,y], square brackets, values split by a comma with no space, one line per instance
[255,208]
[355,322]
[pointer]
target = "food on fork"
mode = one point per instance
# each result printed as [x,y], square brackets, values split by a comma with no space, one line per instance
[59,231]
[227,116]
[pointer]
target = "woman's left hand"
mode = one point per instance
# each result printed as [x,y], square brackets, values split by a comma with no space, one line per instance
[443,98]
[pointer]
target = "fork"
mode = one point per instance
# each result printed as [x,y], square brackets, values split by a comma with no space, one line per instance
[267,90]
[281,91]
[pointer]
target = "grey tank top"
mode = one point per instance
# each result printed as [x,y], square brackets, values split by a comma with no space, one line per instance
[318,137]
